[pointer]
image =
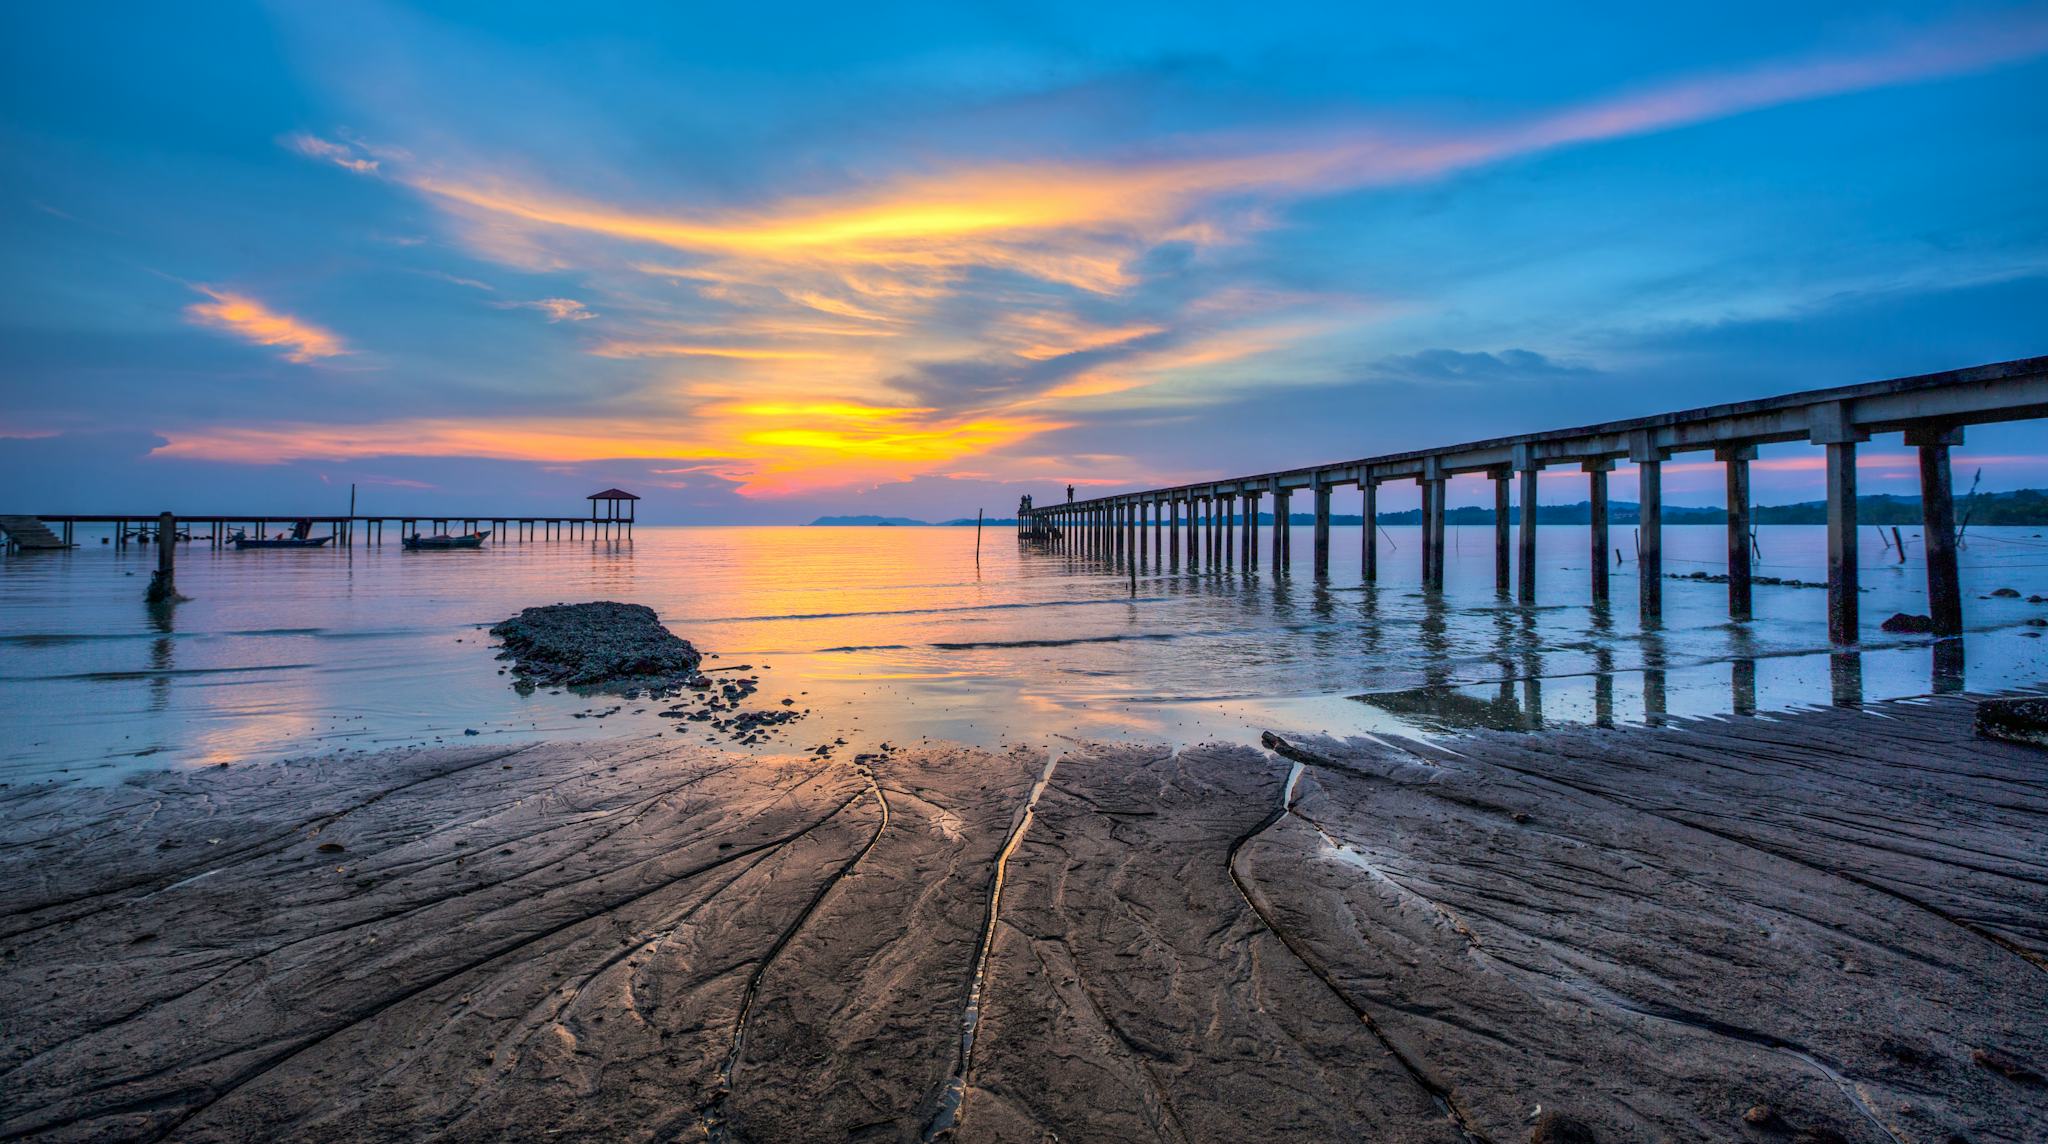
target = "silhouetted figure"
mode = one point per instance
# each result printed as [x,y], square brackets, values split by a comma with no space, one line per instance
[1070,494]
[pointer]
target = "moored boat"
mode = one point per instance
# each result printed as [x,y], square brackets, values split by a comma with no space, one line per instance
[436,543]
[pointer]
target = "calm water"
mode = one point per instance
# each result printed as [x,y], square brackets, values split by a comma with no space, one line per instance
[893,634]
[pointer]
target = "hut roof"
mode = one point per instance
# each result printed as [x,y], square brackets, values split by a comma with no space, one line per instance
[612,494]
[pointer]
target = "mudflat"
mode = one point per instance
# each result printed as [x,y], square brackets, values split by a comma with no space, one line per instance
[1831,925]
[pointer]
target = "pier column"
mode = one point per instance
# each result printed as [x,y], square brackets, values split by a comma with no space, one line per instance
[1252,531]
[1158,532]
[1527,467]
[1736,459]
[1173,530]
[1280,529]
[1649,462]
[1938,526]
[1322,535]
[1369,546]
[1830,425]
[1596,495]
[1225,553]
[1432,481]
[1503,565]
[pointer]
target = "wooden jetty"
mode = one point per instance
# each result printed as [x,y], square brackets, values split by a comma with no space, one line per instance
[611,518]
[1931,411]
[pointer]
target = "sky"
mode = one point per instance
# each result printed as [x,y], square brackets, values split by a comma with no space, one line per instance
[760,264]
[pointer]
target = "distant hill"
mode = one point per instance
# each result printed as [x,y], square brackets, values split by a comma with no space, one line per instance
[867,521]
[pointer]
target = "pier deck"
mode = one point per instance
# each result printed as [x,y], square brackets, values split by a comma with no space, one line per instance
[220,526]
[1828,924]
[1931,411]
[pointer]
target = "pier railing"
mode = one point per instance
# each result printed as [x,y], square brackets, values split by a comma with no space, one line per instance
[1931,410]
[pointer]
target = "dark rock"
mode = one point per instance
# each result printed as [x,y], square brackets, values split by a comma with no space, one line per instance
[596,645]
[2006,593]
[2007,1067]
[1765,1117]
[1557,1128]
[1902,622]
[2017,720]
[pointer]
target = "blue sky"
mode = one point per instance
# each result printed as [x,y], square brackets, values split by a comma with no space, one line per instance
[762,264]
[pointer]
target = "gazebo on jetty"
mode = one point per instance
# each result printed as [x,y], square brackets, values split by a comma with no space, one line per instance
[612,511]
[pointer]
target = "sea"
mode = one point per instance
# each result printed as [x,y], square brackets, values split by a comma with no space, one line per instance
[900,635]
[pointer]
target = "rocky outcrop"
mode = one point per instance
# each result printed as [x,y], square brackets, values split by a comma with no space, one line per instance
[602,644]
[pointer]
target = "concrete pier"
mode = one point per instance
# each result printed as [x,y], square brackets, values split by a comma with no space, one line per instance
[1938,527]
[1930,410]
[1596,496]
[1736,459]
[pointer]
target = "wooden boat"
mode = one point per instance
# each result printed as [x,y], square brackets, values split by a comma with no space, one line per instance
[241,541]
[438,543]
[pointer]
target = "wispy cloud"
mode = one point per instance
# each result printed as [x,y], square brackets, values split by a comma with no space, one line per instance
[557,309]
[250,320]
[327,151]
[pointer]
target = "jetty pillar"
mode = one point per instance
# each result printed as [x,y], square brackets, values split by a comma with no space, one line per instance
[1736,459]
[162,585]
[1527,467]
[1432,523]
[1251,529]
[1842,574]
[1596,498]
[1938,526]
[1322,535]
[1503,574]
[1158,532]
[1173,530]
[1226,555]
[1829,425]
[1280,530]
[1369,546]
[1649,462]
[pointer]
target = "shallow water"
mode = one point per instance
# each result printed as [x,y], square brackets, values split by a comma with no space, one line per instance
[893,634]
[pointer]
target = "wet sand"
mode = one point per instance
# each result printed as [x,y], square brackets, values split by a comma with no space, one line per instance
[1832,925]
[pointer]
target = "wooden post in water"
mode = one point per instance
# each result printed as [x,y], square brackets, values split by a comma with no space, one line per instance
[1938,526]
[1279,529]
[1736,459]
[977,539]
[163,588]
[1596,496]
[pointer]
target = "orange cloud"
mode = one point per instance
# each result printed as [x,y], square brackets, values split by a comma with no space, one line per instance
[253,322]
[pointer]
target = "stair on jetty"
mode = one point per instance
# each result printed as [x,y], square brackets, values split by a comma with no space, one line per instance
[28,532]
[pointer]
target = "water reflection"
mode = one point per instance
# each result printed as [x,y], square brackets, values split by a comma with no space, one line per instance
[894,633]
